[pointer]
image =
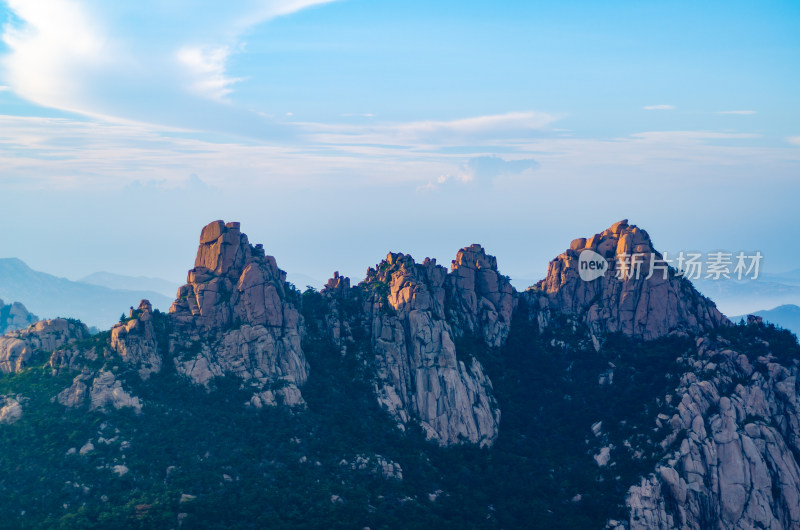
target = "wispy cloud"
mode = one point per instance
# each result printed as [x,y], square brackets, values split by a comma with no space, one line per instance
[691,136]
[739,112]
[794,140]
[659,107]
[49,153]
[109,59]
[423,134]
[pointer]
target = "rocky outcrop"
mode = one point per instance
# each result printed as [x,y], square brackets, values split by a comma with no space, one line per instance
[235,316]
[737,432]
[419,375]
[377,465]
[481,299]
[135,340]
[10,409]
[15,316]
[75,395]
[627,298]
[18,347]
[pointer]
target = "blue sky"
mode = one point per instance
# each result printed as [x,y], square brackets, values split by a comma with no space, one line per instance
[338,131]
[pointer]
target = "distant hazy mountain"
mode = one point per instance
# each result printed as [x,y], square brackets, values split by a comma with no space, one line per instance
[132,283]
[15,316]
[49,296]
[786,316]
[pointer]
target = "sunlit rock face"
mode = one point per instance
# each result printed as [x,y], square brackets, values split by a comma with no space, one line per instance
[233,316]
[135,341]
[625,301]
[419,374]
[18,347]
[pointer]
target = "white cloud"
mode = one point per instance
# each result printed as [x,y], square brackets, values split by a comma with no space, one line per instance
[103,58]
[659,107]
[794,140]
[3,88]
[739,112]
[52,51]
[206,68]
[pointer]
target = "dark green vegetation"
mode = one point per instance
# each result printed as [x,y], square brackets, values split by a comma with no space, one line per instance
[273,468]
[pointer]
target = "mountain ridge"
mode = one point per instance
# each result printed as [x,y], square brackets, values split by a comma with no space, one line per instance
[624,402]
[131,283]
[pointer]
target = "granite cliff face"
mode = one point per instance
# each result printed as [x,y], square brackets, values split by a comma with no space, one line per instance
[234,316]
[732,445]
[419,374]
[481,299]
[632,297]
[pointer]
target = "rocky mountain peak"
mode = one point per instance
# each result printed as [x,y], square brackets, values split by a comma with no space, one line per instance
[474,257]
[618,240]
[231,282]
[223,248]
[638,295]
[483,299]
[419,374]
[337,284]
[236,310]
[135,340]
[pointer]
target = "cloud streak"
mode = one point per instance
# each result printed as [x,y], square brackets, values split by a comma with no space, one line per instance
[424,134]
[50,153]
[659,107]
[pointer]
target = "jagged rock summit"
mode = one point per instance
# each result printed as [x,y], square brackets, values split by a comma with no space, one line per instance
[621,400]
[419,374]
[235,316]
[631,297]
